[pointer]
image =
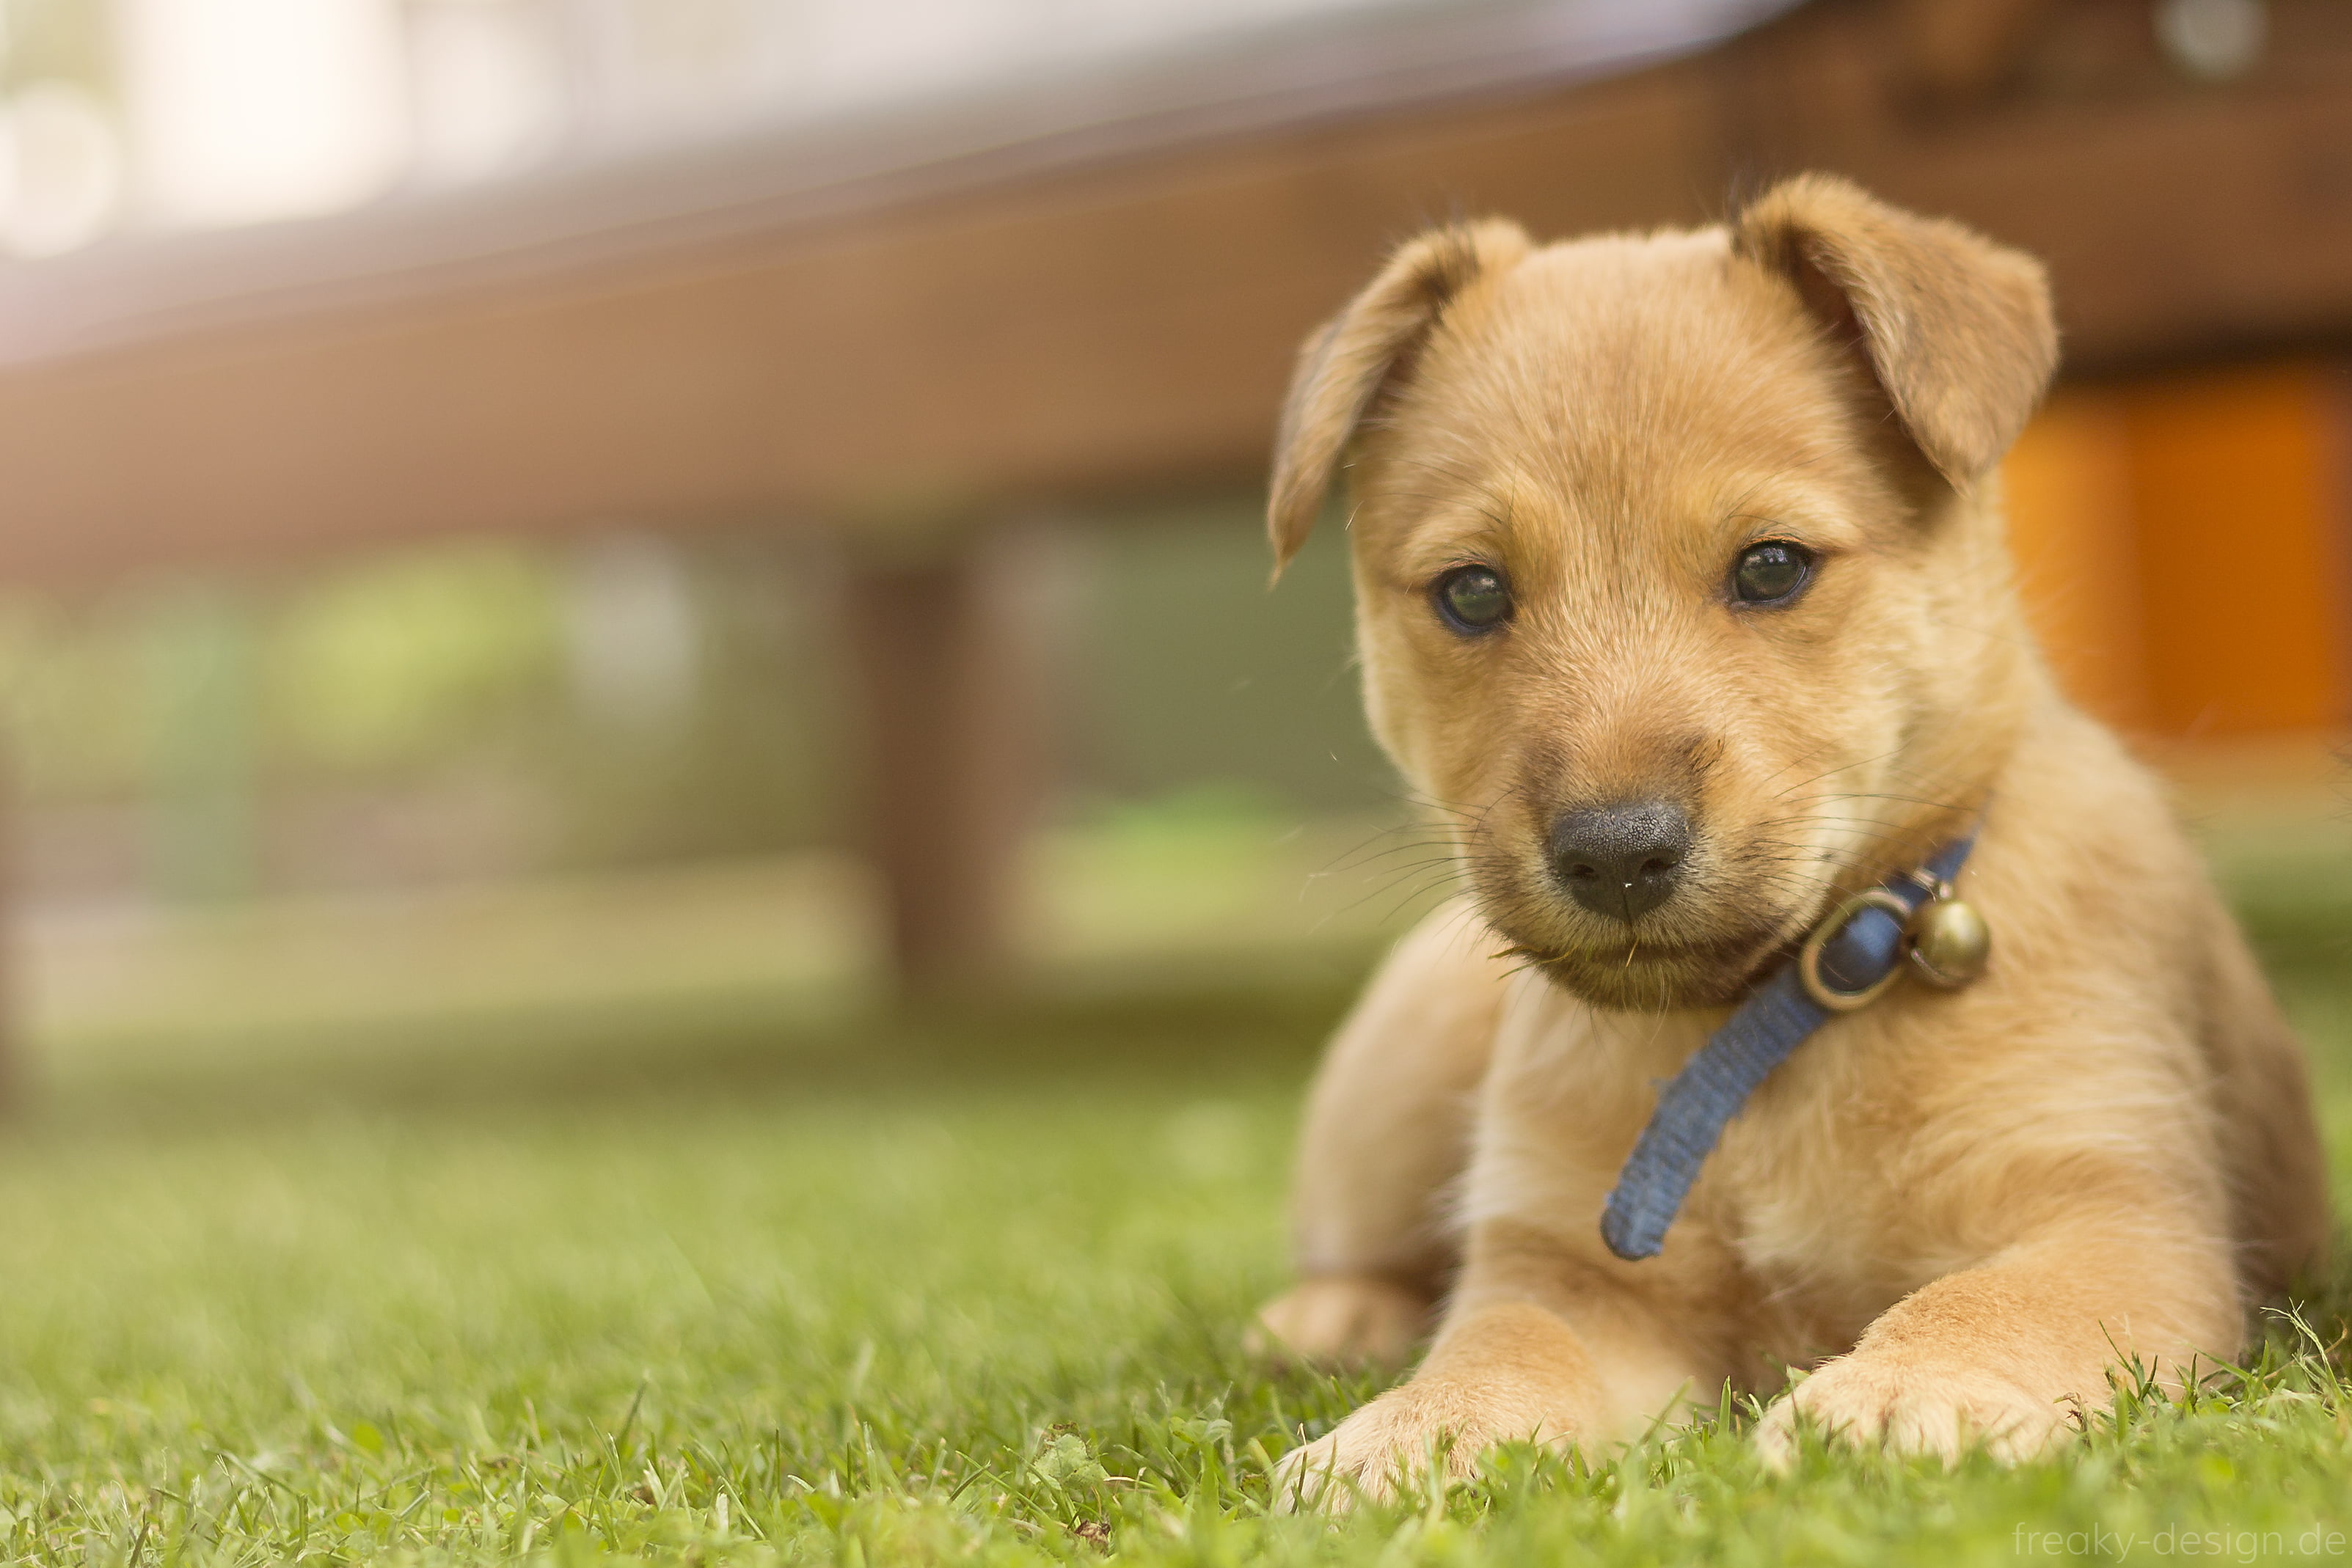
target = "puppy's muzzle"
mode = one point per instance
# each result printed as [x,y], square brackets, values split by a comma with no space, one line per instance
[1620,860]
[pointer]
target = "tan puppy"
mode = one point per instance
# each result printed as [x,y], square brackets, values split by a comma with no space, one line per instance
[1683,595]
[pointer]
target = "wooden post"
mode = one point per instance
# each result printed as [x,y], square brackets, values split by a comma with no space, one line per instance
[948,656]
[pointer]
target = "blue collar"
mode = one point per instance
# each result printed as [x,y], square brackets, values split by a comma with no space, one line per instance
[1849,958]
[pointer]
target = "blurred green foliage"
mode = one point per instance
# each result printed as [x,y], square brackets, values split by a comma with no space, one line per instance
[1197,671]
[1185,682]
[425,670]
[73,678]
[397,665]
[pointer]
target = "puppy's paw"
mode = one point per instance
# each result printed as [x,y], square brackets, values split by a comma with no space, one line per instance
[1341,1321]
[1912,1407]
[1399,1438]
[1367,1457]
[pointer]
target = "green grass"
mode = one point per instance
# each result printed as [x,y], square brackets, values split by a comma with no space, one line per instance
[962,1289]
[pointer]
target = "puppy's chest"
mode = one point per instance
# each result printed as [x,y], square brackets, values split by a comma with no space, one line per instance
[1797,1220]
[1805,1199]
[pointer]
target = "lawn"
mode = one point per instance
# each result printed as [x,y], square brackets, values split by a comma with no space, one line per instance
[917,1292]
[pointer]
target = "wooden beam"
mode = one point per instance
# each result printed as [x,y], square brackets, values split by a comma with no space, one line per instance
[2181,220]
[1128,327]
[1110,332]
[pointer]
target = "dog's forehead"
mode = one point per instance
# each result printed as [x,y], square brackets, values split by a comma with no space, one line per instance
[1624,364]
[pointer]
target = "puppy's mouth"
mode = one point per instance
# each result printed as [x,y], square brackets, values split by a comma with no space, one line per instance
[1645,975]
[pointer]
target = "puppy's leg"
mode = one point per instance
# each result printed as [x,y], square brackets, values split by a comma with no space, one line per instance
[1538,1346]
[2270,1142]
[1387,1131]
[2007,1353]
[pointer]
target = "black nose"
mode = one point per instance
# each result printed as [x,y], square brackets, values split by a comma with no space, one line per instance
[1620,860]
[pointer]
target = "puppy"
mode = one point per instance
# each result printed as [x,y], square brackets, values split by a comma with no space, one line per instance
[1682,598]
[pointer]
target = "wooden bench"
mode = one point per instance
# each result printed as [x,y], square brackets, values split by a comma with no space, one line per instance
[904,335]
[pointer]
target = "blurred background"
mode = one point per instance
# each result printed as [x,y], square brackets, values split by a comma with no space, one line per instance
[543,539]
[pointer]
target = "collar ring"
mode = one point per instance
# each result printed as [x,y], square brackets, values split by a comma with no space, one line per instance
[1808,956]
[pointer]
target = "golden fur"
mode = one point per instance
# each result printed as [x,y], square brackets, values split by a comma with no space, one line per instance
[1961,1210]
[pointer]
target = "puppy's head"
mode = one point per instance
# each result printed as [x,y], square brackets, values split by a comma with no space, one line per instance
[1681,596]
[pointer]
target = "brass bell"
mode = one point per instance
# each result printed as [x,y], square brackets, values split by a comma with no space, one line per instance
[1950,943]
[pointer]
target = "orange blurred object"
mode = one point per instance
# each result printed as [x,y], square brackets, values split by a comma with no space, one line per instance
[2078,565]
[2185,549]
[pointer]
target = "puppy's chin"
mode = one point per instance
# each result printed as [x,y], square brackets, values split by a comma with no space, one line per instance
[1637,977]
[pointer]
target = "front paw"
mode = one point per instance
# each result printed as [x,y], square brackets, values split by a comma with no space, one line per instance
[1400,1438]
[1341,1321]
[1910,1406]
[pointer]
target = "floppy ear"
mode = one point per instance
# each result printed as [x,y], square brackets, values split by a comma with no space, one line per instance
[1368,346]
[1957,328]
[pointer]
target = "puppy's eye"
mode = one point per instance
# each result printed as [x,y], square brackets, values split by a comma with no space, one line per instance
[1772,572]
[1473,599]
